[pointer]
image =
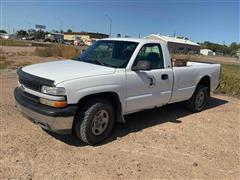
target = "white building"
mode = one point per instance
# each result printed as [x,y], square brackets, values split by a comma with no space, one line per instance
[177,45]
[4,36]
[238,54]
[207,52]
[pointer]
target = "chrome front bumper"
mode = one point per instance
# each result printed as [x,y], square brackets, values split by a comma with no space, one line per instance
[58,120]
[60,125]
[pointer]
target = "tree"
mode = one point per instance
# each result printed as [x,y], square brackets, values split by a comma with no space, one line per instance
[40,34]
[233,48]
[69,30]
[22,33]
[32,32]
[182,37]
[3,31]
[215,47]
[226,50]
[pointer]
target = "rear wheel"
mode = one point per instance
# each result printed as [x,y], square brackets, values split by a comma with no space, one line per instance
[94,121]
[199,99]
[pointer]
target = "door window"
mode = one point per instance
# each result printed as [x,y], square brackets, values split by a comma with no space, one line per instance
[152,53]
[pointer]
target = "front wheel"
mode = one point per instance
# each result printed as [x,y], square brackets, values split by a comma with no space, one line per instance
[199,99]
[94,121]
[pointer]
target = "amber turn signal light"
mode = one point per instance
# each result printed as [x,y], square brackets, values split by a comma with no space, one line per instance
[53,103]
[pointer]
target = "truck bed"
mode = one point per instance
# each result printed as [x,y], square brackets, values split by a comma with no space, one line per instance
[186,78]
[191,63]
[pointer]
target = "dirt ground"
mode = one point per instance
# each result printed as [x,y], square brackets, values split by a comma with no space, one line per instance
[21,56]
[168,142]
[15,49]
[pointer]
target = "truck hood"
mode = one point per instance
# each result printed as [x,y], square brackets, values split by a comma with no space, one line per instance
[64,70]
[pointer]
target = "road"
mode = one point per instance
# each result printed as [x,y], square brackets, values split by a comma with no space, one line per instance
[168,142]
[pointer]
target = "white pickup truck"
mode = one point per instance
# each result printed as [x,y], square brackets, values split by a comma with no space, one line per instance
[112,78]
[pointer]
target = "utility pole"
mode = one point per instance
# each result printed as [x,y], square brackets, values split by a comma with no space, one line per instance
[174,33]
[110,24]
[9,29]
[28,26]
[60,24]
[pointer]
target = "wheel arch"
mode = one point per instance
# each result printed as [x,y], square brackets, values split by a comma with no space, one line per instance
[206,81]
[111,96]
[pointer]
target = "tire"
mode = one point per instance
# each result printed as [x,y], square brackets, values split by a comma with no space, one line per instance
[89,121]
[199,99]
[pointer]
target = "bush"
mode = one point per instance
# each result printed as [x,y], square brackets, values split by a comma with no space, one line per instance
[58,51]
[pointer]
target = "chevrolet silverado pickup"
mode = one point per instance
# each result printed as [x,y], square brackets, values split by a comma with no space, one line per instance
[113,77]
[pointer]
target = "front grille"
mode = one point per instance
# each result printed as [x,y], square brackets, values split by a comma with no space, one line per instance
[29,84]
[30,97]
[33,82]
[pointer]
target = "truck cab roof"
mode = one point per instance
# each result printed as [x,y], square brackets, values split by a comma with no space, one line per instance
[138,40]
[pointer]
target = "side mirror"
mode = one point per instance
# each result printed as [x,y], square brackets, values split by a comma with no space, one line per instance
[142,65]
[83,50]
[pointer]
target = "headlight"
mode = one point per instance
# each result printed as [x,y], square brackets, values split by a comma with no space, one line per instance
[53,90]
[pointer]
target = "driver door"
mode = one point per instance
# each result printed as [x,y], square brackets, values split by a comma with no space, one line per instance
[147,89]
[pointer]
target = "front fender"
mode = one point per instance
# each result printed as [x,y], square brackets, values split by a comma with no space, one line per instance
[95,90]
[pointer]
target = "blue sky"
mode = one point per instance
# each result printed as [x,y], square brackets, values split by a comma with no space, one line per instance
[216,21]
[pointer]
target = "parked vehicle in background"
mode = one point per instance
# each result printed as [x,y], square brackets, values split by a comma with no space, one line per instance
[31,38]
[68,42]
[4,36]
[54,37]
[88,42]
[112,78]
[79,42]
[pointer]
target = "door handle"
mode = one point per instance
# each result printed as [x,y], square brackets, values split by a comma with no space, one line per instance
[164,76]
[152,81]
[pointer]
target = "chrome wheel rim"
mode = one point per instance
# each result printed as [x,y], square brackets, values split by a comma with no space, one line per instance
[100,122]
[200,99]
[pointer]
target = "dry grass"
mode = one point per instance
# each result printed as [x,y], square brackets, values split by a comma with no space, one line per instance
[4,63]
[19,64]
[19,53]
[58,51]
[230,80]
[11,42]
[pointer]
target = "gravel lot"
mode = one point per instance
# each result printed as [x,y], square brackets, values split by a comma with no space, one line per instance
[168,142]
[16,49]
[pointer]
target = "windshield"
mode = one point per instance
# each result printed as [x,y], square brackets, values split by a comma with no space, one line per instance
[109,53]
